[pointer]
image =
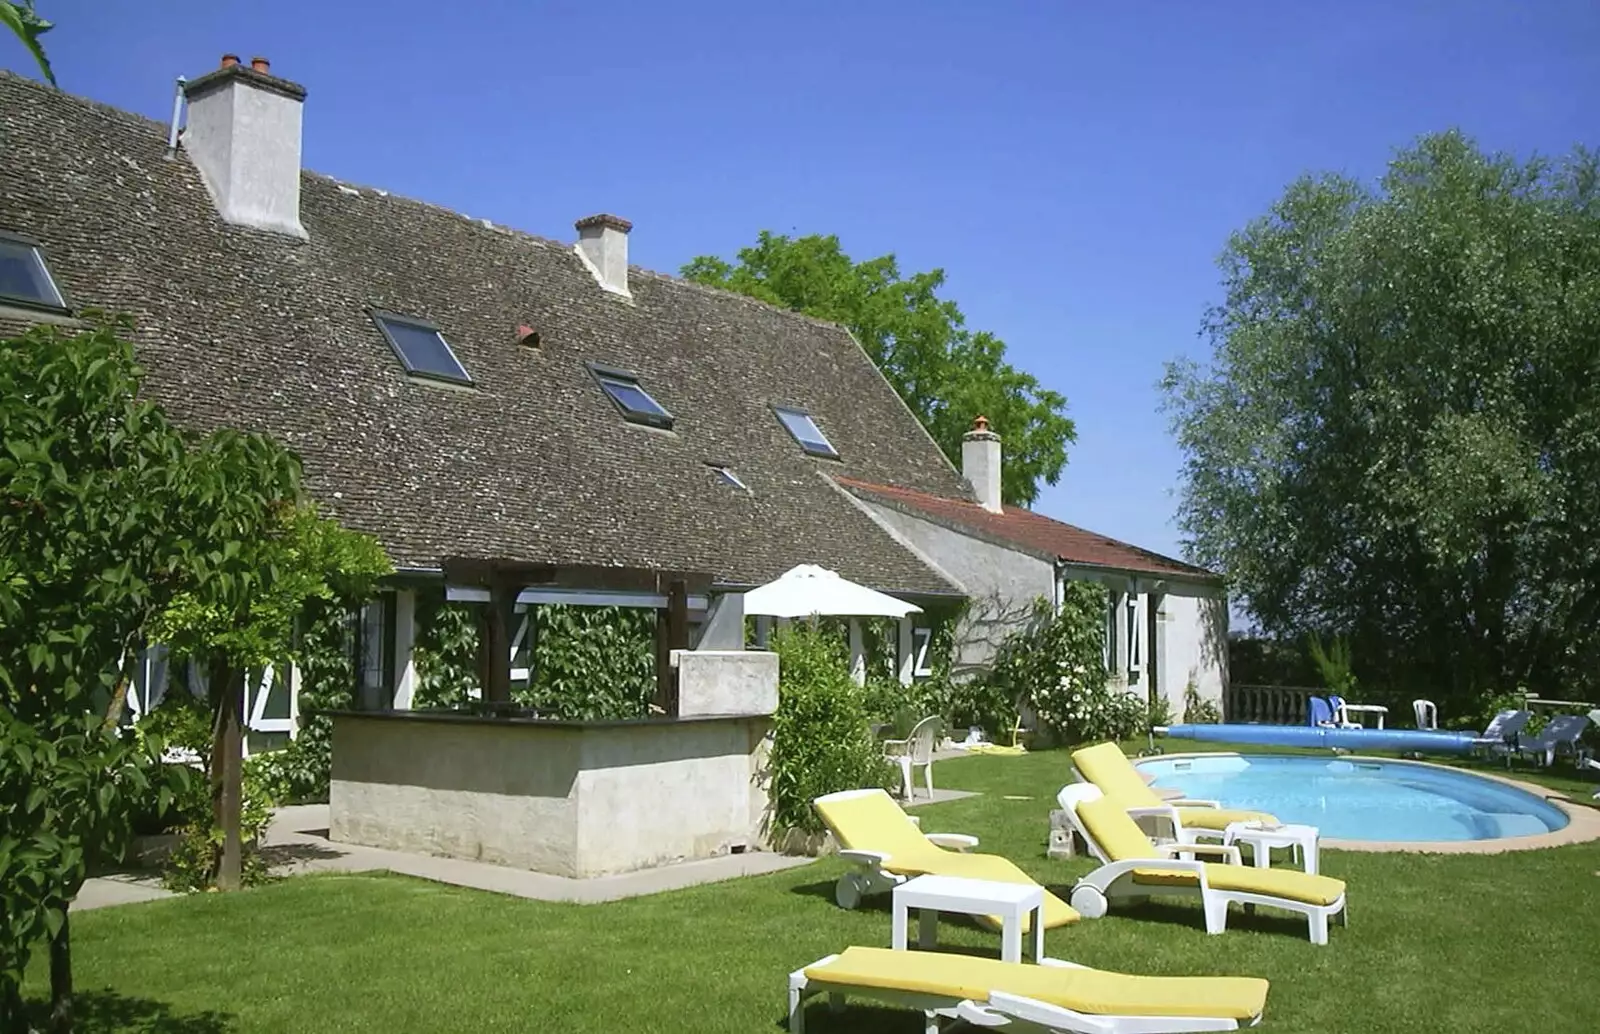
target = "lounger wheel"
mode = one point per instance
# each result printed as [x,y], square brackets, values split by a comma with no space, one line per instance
[847,892]
[1088,902]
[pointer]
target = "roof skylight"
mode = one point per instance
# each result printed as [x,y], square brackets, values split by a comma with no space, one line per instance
[421,348]
[635,404]
[798,423]
[24,278]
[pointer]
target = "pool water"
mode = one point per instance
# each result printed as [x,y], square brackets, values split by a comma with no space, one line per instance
[1362,800]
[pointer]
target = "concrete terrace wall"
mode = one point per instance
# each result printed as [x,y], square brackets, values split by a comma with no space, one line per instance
[487,792]
[1002,583]
[647,799]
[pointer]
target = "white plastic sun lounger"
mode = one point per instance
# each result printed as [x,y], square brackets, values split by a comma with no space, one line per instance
[1053,996]
[1562,733]
[1137,868]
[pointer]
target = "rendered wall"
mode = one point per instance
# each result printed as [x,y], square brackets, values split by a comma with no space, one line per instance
[1194,647]
[501,793]
[1001,583]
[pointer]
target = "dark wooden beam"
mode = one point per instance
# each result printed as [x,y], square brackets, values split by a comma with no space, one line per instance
[494,644]
[672,633]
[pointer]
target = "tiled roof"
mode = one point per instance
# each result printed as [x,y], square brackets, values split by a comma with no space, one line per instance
[270,333]
[1026,531]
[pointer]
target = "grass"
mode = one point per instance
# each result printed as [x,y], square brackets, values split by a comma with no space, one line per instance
[1435,943]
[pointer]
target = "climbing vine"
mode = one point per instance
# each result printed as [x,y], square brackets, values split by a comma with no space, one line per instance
[584,662]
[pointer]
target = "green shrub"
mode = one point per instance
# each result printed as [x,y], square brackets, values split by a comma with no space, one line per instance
[988,703]
[193,862]
[820,737]
[1160,711]
[1196,709]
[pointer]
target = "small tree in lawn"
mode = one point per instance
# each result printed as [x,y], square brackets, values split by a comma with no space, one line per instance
[92,486]
[241,617]
[110,518]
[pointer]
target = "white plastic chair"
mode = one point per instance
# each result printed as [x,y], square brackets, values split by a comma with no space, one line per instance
[914,751]
[1427,714]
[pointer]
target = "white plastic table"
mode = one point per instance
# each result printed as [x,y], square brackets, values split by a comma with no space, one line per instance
[1302,839]
[1377,709]
[931,895]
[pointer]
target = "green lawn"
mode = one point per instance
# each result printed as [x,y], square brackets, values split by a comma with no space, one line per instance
[1435,943]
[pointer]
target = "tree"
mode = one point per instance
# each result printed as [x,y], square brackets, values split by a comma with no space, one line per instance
[240,614]
[1398,434]
[89,481]
[26,24]
[113,523]
[946,373]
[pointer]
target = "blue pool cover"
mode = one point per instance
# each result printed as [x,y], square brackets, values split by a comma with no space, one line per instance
[1421,740]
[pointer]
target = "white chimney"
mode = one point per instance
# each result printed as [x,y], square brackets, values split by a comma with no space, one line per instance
[603,246]
[980,463]
[243,134]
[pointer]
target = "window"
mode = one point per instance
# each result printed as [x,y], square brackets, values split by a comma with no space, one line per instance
[24,277]
[728,477]
[923,638]
[636,405]
[805,430]
[421,347]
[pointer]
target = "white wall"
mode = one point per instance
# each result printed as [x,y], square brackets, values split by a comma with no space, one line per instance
[1194,644]
[1002,583]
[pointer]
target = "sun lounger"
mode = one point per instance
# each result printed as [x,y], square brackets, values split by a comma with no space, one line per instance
[1561,735]
[1182,820]
[1052,996]
[1136,868]
[1500,737]
[886,848]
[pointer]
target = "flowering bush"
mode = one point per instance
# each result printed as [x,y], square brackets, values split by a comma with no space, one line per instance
[1056,665]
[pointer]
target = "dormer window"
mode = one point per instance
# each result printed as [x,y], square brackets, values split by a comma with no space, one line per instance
[419,345]
[632,401]
[24,277]
[798,423]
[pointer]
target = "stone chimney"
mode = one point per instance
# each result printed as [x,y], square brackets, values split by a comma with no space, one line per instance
[980,463]
[603,246]
[243,134]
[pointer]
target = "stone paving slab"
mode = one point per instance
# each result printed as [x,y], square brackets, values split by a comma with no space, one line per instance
[297,842]
[106,891]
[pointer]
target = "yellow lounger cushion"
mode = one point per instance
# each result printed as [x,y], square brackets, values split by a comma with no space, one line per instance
[1289,884]
[1107,767]
[874,822]
[1082,990]
[1219,818]
[1122,840]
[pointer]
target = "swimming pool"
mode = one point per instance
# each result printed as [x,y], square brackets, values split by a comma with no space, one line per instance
[1361,799]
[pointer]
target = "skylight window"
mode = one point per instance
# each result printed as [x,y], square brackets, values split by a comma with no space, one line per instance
[635,404]
[805,430]
[421,347]
[24,278]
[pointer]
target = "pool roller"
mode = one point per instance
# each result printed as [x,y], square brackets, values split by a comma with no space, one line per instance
[1425,741]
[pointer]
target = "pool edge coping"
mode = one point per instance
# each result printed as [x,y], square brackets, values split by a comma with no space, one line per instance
[1583,822]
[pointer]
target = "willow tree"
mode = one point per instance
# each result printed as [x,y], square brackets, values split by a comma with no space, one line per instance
[1397,437]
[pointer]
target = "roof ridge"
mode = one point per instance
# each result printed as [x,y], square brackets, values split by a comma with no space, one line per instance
[124,114]
[729,292]
[1022,511]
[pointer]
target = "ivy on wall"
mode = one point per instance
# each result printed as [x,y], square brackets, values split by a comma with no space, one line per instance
[586,662]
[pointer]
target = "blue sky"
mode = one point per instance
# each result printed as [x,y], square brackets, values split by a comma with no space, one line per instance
[1074,167]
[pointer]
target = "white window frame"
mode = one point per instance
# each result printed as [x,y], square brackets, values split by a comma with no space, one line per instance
[921,640]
